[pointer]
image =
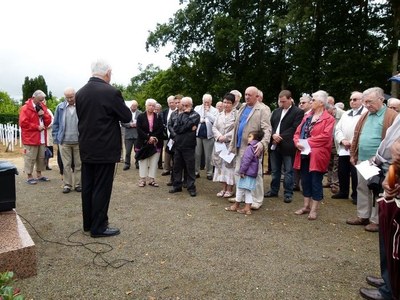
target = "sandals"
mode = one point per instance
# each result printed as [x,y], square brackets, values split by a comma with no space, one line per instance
[142,183]
[302,211]
[153,183]
[231,208]
[221,193]
[228,194]
[244,211]
[312,216]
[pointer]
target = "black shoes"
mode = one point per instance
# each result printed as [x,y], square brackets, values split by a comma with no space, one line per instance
[192,193]
[78,189]
[340,196]
[371,294]
[107,232]
[175,190]
[126,167]
[48,168]
[375,281]
[296,188]
[287,199]
[269,194]
[165,173]
[197,175]
[66,189]
[209,177]
[169,183]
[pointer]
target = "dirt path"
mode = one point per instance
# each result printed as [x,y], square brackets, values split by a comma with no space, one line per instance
[190,248]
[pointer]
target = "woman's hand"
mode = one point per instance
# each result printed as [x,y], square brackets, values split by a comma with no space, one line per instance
[299,146]
[152,140]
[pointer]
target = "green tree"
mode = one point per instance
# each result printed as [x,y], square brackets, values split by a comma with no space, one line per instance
[31,85]
[301,45]
[8,105]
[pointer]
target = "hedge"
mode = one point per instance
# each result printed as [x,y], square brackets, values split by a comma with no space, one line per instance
[8,118]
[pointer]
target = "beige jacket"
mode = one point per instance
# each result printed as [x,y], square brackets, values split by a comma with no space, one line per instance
[258,119]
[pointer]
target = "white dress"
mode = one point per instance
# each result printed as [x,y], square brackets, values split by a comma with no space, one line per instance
[223,126]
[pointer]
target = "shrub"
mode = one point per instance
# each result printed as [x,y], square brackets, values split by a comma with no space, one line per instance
[7,292]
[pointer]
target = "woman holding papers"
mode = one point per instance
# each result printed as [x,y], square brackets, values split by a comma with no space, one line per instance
[223,131]
[313,140]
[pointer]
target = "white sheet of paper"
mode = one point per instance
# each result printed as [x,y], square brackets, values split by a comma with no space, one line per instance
[170,144]
[226,156]
[306,145]
[220,147]
[343,152]
[367,170]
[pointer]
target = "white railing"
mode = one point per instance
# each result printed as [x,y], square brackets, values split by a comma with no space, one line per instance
[10,135]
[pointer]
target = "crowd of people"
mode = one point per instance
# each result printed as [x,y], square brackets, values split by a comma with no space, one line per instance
[302,144]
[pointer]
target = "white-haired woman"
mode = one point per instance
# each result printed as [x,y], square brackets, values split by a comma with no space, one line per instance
[149,144]
[317,129]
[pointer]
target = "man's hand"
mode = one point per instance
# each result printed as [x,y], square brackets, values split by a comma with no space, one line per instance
[277,138]
[390,193]
[259,148]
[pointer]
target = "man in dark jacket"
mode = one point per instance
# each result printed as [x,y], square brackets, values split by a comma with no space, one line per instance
[100,108]
[184,128]
[284,121]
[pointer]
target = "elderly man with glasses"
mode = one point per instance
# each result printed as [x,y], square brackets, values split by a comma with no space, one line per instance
[344,132]
[34,119]
[368,134]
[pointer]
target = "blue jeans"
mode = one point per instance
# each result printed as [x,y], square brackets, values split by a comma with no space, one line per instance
[311,182]
[277,161]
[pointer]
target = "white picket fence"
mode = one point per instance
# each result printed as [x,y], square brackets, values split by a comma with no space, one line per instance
[10,135]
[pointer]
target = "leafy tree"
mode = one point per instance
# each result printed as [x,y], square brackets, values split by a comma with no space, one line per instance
[8,105]
[300,45]
[31,85]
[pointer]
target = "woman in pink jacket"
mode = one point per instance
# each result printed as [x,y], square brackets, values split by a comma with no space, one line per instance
[316,129]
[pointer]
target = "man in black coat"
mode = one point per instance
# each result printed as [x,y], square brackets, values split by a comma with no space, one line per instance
[284,121]
[184,129]
[100,107]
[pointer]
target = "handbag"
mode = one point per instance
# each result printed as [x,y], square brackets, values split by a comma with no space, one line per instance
[48,153]
[374,183]
[145,151]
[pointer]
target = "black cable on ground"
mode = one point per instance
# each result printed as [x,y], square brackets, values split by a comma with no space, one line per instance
[98,259]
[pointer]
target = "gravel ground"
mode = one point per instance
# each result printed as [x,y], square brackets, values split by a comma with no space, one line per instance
[179,247]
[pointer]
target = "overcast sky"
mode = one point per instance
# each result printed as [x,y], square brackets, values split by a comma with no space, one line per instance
[60,39]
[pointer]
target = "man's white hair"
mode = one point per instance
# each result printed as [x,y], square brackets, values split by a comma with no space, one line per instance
[100,67]
[38,93]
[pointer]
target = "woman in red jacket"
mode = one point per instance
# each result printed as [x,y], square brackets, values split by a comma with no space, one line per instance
[316,130]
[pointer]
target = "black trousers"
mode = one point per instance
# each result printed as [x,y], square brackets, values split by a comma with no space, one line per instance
[184,160]
[347,171]
[97,181]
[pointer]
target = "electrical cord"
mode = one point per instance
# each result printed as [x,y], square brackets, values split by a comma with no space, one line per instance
[98,259]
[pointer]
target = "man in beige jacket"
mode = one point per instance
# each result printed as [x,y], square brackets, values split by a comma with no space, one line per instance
[252,116]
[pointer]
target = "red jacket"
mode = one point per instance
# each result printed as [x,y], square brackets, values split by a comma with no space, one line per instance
[320,141]
[29,123]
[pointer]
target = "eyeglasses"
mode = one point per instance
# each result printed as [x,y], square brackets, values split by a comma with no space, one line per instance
[354,99]
[303,102]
